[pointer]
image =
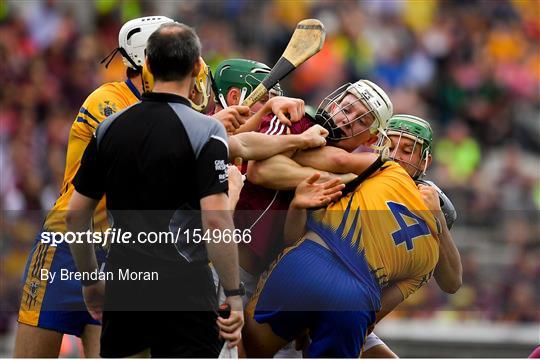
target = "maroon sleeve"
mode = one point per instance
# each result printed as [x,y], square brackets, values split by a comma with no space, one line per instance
[301,126]
[270,125]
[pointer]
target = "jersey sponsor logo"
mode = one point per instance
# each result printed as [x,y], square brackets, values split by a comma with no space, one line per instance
[223,178]
[107,108]
[220,165]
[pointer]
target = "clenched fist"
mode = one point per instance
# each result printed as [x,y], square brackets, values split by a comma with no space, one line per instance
[314,137]
[233,117]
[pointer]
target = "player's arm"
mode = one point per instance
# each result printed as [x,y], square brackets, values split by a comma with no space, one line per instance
[257,146]
[308,194]
[212,186]
[89,188]
[217,219]
[282,173]
[80,210]
[224,256]
[236,183]
[281,106]
[397,292]
[390,299]
[335,160]
[449,270]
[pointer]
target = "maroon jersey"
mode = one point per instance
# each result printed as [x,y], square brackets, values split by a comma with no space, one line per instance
[264,210]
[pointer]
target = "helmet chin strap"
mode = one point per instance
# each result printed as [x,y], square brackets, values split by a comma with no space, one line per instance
[425,165]
[242,95]
[222,101]
[109,58]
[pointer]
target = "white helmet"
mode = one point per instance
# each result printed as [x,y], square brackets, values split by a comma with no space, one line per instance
[133,36]
[376,100]
[370,95]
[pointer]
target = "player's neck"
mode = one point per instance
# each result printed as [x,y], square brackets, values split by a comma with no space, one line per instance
[137,83]
[181,88]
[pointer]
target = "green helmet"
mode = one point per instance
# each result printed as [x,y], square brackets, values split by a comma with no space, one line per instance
[240,73]
[414,128]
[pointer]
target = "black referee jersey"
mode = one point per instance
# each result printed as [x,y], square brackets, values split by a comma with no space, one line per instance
[154,161]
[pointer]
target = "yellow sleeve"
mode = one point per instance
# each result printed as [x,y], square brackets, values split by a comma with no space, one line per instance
[409,286]
[100,104]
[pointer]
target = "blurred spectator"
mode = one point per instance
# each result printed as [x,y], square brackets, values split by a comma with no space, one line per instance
[458,153]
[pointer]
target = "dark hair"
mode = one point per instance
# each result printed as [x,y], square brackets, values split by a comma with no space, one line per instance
[132,73]
[172,51]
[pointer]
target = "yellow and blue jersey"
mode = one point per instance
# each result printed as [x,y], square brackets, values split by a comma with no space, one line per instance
[384,225]
[103,102]
[57,306]
[380,234]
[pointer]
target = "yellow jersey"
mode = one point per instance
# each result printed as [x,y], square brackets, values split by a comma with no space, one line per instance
[103,102]
[383,226]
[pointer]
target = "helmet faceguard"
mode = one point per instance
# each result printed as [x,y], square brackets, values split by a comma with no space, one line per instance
[372,97]
[416,129]
[243,74]
[132,40]
[203,86]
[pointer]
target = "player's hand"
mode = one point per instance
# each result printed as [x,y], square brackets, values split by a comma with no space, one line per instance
[94,297]
[314,137]
[232,117]
[347,178]
[309,194]
[230,329]
[431,199]
[236,182]
[282,106]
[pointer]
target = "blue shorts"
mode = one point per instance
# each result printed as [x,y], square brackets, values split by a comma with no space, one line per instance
[59,305]
[310,288]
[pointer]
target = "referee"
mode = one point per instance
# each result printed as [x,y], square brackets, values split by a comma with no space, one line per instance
[158,163]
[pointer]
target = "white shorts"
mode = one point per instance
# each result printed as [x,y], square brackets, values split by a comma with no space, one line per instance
[371,341]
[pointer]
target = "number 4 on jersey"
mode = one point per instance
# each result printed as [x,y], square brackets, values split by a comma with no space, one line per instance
[407,233]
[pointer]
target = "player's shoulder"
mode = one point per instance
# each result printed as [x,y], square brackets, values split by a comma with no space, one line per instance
[394,170]
[199,127]
[390,175]
[193,118]
[117,90]
[106,100]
